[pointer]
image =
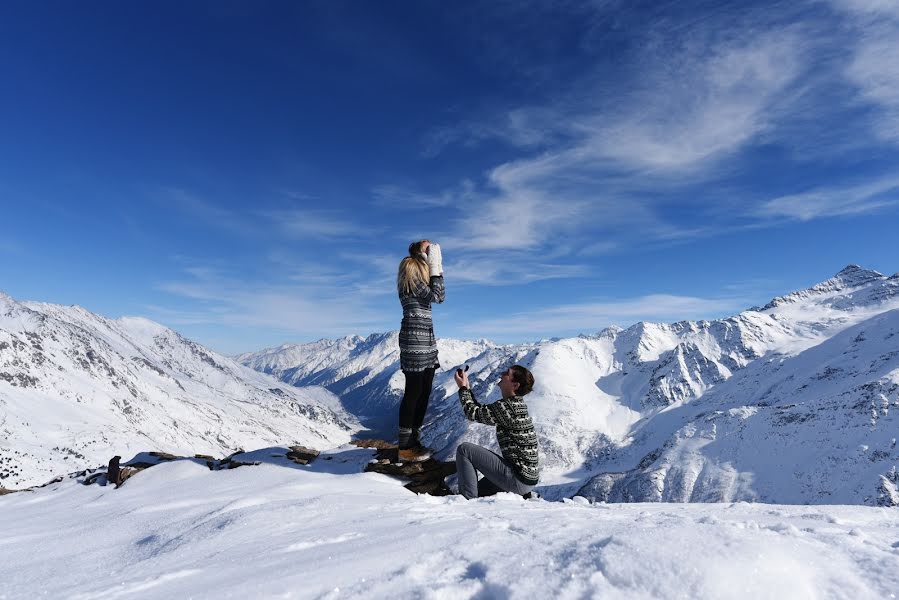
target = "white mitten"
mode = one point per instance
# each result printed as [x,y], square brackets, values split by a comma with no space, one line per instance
[435,260]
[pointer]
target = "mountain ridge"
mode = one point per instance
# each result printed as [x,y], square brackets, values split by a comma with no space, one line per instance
[619,400]
[77,388]
[645,413]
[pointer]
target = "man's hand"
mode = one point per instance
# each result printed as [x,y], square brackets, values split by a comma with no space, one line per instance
[461,378]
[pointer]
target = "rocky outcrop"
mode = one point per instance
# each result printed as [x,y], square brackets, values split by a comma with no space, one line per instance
[426,477]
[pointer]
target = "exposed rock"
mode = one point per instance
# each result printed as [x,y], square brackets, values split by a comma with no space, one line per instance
[372,443]
[150,459]
[113,470]
[302,455]
[426,476]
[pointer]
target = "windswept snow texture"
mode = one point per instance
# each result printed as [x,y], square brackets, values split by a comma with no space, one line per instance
[792,402]
[178,530]
[77,388]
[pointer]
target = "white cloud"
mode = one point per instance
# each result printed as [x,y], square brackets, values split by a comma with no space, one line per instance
[401,197]
[612,151]
[521,127]
[686,107]
[832,202]
[875,70]
[519,220]
[705,109]
[311,306]
[315,223]
[870,8]
[874,65]
[593,316]
[512,269]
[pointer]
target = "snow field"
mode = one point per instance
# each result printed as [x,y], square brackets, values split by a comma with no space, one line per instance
[329,531]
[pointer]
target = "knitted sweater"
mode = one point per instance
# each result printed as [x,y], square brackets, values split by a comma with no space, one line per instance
[514,431]
[418,346]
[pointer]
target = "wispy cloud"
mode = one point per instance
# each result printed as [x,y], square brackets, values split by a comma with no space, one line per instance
[705,109]
[514,269]
[522,220]
[207,213]
[833,202]
[591,317]
[690,105]
[405,198]
[875,70]
[315,223]
[608,158]
[521,127]
[284,223]
[869,8]
[693,102]
[307,309]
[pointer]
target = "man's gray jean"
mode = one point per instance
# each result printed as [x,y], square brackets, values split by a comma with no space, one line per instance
[499,475]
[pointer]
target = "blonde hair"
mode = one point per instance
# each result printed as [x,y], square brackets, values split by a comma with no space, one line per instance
[413,270]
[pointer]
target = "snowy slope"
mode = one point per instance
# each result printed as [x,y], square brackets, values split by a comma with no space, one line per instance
[815,426]
[689,411]
[77,388]
[363,372]
[327,530]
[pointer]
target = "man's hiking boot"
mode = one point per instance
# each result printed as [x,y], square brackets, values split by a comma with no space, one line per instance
[414,454]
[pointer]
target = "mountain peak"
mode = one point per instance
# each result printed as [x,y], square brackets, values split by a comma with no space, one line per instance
[853,275]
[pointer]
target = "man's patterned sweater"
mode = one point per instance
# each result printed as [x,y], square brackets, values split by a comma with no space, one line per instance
[514,431]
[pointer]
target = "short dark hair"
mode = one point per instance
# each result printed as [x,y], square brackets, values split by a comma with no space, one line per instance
[524,379]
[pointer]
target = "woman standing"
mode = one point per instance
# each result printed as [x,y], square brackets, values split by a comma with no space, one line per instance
[419,282]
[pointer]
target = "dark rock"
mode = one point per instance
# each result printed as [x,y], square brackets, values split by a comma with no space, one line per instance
[113,470]
[379,444]
[126,473]
[426,476]
[302,455]
[164,456]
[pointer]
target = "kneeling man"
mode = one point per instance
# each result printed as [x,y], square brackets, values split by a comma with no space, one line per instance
[516,470]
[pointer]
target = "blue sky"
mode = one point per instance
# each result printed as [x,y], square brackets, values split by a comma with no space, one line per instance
[251,173]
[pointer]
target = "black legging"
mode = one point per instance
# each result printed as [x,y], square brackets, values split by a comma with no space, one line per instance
[415,399]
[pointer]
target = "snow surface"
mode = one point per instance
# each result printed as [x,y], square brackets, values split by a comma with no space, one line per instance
[327,530]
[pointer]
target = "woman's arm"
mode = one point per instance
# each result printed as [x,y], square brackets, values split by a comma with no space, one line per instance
[436,292]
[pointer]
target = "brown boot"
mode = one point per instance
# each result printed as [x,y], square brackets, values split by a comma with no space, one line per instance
[413,454]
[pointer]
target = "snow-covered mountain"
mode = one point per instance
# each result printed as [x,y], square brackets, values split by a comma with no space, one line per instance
[363,372]
[789,402]
[77,388]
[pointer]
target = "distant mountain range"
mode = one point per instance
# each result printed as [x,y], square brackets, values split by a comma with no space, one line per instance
[792,402]
[789,402]
[77,388]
